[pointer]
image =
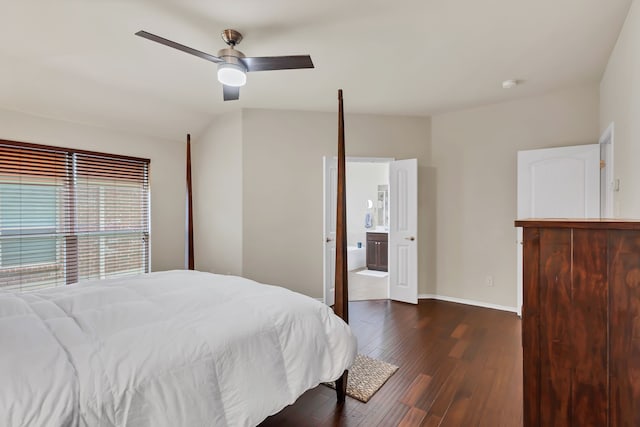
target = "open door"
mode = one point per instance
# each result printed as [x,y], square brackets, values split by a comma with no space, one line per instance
[330,192]
[562,182]
[403,231]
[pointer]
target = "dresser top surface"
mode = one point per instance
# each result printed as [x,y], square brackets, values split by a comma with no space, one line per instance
[594,223]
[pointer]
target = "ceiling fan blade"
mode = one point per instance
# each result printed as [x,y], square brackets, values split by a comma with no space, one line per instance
[230,93]
[267,63]
[179,46]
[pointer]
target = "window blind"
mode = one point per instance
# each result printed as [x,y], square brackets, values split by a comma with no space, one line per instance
[70,215]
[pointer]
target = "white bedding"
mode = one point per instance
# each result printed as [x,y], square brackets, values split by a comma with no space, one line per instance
[176,348]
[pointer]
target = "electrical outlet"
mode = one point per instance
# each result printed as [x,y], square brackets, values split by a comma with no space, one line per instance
[488,280]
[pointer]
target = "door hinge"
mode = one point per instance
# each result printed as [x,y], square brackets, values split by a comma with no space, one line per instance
[602,164]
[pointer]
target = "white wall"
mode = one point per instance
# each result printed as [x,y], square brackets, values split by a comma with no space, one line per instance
[620,103]
[474,154]
[167,172]
[217,202]
[363,179]
[282,187]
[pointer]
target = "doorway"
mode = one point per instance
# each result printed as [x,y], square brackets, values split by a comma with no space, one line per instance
[381,228]
[367,196]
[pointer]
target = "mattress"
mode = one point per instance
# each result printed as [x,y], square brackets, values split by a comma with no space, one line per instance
[176,348]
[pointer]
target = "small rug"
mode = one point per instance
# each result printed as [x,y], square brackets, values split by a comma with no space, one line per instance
[366,376]
[373,273]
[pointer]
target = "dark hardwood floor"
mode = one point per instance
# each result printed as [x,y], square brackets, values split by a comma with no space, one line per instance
[459,366]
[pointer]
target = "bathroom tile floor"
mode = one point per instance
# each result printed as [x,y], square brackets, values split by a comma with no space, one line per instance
[367,287]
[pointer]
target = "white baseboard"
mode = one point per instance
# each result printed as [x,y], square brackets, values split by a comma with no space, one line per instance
[468,302]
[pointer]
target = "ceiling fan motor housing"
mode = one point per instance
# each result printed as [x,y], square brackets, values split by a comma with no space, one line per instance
[232,56]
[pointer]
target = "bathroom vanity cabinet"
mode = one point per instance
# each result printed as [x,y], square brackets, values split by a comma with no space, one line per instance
[377,251]
[581,322]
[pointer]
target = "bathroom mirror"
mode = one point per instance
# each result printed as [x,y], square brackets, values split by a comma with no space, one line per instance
[382,207]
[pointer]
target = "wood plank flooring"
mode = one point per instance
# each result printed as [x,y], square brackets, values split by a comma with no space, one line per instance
[459,366]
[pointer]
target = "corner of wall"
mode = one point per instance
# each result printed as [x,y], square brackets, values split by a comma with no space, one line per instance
[620,104]
[217,170]
[474,185]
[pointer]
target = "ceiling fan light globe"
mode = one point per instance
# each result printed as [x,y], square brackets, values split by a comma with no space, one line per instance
[231,75]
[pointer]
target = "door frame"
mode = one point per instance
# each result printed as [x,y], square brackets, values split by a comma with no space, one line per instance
[326,238]
[609,187]
[325,283]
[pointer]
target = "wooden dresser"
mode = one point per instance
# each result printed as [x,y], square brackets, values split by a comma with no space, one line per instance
[581,323]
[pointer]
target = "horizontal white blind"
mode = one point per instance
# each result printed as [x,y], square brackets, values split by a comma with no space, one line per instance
[69,215]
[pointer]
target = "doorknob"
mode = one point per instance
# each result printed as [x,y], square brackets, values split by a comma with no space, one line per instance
[410,238]
[328,239]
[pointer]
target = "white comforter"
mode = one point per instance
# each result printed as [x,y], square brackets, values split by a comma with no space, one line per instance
[176,348]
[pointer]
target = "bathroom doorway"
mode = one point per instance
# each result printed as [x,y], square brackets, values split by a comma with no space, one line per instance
[373,254]
[367,195]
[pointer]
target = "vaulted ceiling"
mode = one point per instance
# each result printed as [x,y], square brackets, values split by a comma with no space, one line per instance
[78,60]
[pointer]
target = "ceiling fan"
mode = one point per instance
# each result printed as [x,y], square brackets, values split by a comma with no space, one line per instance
[232,64]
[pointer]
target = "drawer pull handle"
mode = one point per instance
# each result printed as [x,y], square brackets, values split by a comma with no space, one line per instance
[410,238]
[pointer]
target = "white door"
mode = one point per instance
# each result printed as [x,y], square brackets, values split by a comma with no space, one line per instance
[403,230]
[330,192]
[561,182]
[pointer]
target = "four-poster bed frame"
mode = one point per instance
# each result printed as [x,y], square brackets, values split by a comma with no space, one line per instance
[341,307]
[94,370]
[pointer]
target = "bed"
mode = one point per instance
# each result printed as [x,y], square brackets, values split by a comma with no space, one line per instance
[175,348]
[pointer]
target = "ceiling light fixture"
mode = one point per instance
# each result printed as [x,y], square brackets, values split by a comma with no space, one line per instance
[509,84]
[231,74]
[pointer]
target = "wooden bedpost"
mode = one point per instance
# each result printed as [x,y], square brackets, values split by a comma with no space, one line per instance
[190,255]
[341,307]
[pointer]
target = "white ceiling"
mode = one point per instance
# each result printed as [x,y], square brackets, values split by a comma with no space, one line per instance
[79,60]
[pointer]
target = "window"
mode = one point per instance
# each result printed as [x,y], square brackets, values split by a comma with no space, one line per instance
[70,215]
